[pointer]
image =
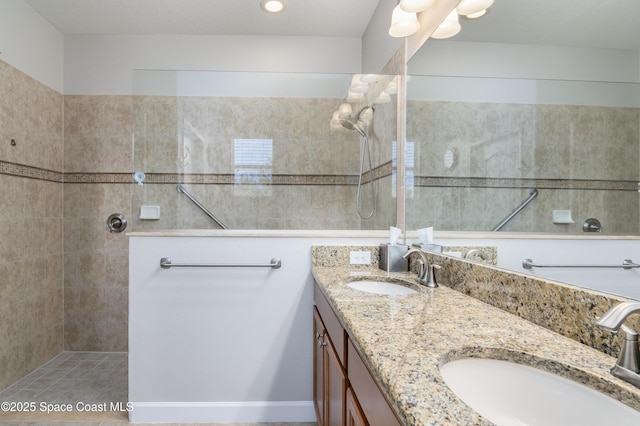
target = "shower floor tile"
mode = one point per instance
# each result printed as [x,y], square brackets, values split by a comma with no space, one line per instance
[99,378]
[96,380]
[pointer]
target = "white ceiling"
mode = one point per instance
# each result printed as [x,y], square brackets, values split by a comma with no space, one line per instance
[581,23]
[322,18]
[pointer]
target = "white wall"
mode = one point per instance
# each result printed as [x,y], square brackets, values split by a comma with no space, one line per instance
[504,60]
[223,344]
[31,44]
[523,91]
[103,64]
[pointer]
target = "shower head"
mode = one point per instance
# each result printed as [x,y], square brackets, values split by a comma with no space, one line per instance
[356,122]
[351,124]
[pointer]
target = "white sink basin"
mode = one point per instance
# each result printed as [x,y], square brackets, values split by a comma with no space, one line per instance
[381,287]
[512,394]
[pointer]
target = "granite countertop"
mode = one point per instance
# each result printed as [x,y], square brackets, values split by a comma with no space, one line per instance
[404,340]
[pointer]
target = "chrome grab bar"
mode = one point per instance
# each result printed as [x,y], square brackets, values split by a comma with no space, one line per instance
[532,194]
[626,264]
[181,188]
[165,263]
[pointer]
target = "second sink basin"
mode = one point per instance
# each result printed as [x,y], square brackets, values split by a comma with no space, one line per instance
[381,287]
[507,393]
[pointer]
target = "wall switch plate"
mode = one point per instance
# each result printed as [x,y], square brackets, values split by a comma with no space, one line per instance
[360,258]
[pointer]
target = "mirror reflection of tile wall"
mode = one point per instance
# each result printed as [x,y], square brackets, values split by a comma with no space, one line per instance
[581,158]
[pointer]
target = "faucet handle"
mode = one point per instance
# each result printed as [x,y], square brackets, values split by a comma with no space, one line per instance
[432,276]
[421,267]
[629,357]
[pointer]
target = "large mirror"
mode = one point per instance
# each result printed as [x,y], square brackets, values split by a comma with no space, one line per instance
[534,105]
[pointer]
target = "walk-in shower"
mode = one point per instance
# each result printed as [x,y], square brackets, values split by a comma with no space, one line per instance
[357,123]
[256,151]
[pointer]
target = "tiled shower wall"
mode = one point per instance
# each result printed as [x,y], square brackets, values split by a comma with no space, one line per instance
[580,158]
[64,276]
[31,235]
[97,134]
[307,180]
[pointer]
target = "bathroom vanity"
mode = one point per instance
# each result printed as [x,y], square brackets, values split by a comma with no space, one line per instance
[343,385]
[403,341]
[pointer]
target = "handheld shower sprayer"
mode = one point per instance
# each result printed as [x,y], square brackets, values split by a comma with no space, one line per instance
[357,123]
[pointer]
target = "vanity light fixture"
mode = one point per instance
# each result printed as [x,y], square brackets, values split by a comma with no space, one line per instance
[403,24]
[354,96]
[383,98]
[273,6]
[404,19]
[345,110]
[473,8]
[357,85]
[415,6]
[449,28]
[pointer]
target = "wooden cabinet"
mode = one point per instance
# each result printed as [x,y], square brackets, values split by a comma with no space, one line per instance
[374,405]
[329,381]
[355,415]
[318,366]
[344,393]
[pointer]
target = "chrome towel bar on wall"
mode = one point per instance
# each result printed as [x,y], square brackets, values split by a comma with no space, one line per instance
[626,264]
[165,263]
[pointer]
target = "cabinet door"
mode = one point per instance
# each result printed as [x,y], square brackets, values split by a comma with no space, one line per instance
[318,367]
[374,405]
[335,386]
[355,416]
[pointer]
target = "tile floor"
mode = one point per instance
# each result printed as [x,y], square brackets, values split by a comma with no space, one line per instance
[69,378]
[96,379]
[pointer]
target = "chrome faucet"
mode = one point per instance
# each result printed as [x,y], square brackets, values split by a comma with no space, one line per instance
[476,252]
[627,367]
[425,271]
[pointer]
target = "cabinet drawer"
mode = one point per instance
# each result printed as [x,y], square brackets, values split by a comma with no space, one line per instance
[373,403]
[333,326]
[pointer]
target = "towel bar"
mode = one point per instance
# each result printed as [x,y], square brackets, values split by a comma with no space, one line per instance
[165,263]
[626,264]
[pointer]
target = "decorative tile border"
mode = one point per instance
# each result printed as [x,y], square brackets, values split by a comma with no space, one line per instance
[380,172]
[20,170]
[470,182]
[7,168]
[98,178]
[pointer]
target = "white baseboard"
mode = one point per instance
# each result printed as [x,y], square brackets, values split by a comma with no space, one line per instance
[222,412]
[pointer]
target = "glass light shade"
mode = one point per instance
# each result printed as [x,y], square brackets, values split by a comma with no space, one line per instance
[369,78]
[416,6]
[273,6]
[354,96]
[335,120]
[345,110]
[449,28]
[477,14]
[392,87]
[471,7]
[383,98]
[403,24]
[357,85]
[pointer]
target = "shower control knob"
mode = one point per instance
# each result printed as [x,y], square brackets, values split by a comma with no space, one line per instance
[116,223]
[592,225]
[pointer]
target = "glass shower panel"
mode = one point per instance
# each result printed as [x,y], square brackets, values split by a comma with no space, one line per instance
[257,150]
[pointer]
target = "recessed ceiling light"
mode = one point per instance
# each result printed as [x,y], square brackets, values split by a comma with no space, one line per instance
[273,6]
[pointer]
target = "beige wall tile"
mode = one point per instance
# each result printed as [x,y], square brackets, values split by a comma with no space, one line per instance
[31,304]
